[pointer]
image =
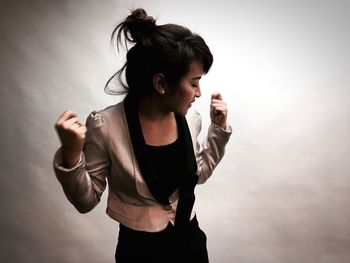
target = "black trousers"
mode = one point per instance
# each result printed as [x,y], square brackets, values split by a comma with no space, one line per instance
[169,245]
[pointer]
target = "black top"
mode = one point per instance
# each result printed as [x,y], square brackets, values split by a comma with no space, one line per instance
[166,160]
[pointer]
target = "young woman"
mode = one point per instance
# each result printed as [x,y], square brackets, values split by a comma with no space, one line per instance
[146,146]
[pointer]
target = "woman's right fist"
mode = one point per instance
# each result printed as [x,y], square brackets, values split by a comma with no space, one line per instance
[72,136]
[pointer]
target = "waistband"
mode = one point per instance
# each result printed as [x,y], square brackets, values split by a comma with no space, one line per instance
[170,229]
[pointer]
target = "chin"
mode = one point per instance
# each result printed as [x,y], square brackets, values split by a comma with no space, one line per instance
[181,112]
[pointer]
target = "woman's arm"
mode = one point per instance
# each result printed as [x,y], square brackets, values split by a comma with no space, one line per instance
[83,181]
[212,150]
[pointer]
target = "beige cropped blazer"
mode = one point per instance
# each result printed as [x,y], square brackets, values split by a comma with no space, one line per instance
[108,156]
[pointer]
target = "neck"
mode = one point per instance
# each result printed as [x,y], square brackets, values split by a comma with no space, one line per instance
[152,107]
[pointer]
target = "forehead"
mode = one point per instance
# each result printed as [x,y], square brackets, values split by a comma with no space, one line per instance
[195,70]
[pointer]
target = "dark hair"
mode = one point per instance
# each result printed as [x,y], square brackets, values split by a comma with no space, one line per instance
[168,49]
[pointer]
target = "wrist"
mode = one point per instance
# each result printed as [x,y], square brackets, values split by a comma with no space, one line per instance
[70,158]
[221,125]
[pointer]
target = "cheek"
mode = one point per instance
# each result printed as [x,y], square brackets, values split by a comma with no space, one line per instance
[184,95]
[188,92]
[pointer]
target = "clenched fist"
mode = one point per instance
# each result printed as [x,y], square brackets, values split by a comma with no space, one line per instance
[72,136]
[218,110]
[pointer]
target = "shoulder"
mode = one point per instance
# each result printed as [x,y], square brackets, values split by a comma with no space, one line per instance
[100,123]
[102,117]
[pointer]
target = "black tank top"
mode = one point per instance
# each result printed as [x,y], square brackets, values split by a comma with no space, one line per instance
[167,165]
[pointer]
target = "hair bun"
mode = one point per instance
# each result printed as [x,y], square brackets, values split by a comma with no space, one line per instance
[139,24]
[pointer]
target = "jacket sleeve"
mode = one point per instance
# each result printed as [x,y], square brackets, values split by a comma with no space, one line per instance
[212,150]
[84,184]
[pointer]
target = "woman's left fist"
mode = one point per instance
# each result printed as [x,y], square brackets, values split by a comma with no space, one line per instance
[218,110]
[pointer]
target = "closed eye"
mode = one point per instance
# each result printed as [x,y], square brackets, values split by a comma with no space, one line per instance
[195,85]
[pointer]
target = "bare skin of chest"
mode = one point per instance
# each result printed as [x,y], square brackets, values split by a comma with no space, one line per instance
[159,132]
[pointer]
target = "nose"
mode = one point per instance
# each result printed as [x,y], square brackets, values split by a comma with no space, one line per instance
[198,92]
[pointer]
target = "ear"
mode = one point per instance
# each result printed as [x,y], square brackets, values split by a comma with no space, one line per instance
[159,83]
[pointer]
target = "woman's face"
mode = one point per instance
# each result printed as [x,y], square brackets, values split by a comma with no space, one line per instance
[188,89]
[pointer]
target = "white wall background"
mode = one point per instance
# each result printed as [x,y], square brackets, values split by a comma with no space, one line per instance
[282,192]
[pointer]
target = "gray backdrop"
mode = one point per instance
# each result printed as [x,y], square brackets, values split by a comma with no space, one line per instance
[282,192]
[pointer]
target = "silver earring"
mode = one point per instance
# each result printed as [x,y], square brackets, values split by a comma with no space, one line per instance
[162,92]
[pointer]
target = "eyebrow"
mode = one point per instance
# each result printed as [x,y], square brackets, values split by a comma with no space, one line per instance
[195,78]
